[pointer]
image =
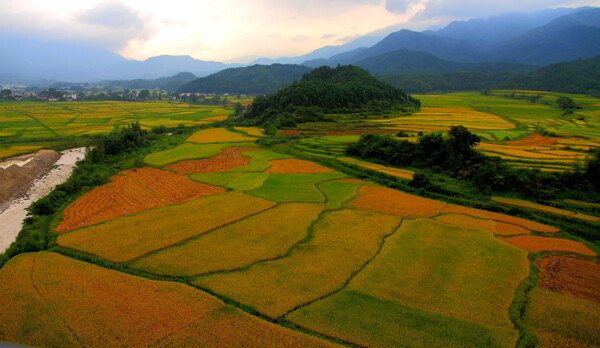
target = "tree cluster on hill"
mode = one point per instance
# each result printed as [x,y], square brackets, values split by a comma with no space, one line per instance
[341,90]
[579,77]
[455,155]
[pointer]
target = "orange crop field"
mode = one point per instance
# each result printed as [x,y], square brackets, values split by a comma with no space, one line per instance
[384,200]
[130,192]
[229,158]
[296,166]
[397,172]
[571,276]
[543,208]
[528,224]
[263,236]
[505,229]
[537,244]
[535,139]
[133,236]
[64,302]
[217,135]
[576,202]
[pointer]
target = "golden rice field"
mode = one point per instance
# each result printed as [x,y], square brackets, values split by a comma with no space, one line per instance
[332,258]
[260,237]
[217,135]
[342,241]
[387,201]
[96,307]
[133,236]
[543,208]
[562,321]
[537,244]
[44,120]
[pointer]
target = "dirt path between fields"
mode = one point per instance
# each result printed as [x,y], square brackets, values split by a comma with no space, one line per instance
[13,212]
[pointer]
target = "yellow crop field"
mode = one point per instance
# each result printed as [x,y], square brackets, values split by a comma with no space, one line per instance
[397,172]
[64,302]
[253,131]
[537,244]
[484,214]
[513,202]
[436,117]
[217,135]
[421,266]
[562,321]
[341,243]
[387,201]
[264,236]
[133,236]
[16,150]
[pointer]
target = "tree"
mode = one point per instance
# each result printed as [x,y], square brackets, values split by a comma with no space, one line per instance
[566,104]
[5,94]
[144,94]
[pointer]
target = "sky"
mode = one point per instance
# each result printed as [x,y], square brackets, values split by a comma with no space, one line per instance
[239,30]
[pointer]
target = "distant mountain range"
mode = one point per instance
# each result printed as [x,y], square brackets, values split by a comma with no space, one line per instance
[256,79]
[512,42]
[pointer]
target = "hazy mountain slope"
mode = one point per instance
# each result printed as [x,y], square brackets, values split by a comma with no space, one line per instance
[256,79]
[171,83]
[566,38]
[414,62]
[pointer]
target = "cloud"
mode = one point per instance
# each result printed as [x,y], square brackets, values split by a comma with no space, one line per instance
[328,36]
[112,14]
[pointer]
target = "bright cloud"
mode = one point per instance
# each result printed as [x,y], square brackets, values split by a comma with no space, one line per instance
[225,30]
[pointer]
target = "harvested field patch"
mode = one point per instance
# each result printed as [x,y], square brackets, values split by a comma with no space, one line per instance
[131,192]
[570,276]
[484,214]
[342,242]
[513,202]
[454,271]
[264,236]
[296,166]
[62,301]
[229,158]
[294,187]
[368,321]
[133,236]
[337,192]
[536,244]
[217,135]
[384,200]
[186,151]
[535,139]
[558,320]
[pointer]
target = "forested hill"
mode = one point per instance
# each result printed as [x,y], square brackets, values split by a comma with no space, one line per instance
[342,90]
[256,79]
[578,76]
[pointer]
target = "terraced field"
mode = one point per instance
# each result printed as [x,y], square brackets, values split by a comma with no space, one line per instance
[232,234]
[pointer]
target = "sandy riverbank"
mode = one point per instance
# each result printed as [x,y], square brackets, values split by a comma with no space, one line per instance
[11,219]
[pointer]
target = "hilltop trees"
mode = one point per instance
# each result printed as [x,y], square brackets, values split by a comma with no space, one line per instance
[325,91]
